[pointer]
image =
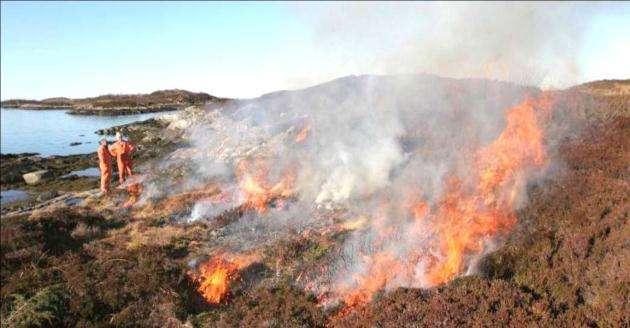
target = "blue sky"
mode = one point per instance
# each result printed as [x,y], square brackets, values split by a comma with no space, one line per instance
[79,49]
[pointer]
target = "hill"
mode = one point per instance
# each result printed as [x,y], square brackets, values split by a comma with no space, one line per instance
[120,104]
[562,264]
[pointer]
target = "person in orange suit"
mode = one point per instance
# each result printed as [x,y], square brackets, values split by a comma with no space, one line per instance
[105,165]
[122,149]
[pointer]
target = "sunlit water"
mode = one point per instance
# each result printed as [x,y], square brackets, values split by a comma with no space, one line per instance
[90,172]
[12,195]
[50,132]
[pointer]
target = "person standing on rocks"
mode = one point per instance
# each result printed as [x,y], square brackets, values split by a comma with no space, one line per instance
[122,149]
[105,165]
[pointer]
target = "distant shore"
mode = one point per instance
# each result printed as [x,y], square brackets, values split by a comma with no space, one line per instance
[103,111]
[125,104]
[123,111]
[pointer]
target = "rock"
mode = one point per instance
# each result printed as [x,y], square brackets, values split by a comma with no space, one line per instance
[76,143]
[33,178]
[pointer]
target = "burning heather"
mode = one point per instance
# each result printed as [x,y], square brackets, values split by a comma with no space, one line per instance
[255,187]
[437,241]
[484,195]
[457,200]
[432,170]
[216,275]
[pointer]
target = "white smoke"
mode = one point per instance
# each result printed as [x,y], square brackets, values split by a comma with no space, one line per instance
[527,43]
[372,139]
[373,145]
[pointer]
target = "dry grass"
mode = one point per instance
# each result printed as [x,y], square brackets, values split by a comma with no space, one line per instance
[565,266]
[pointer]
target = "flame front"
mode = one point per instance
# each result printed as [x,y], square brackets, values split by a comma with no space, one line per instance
[413,239]
[466,217]
[455,229]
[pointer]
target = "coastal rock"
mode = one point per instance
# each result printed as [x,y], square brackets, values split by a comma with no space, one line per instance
[76,143]
[33,178]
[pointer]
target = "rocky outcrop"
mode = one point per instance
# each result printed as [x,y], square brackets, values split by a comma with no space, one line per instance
[13,166]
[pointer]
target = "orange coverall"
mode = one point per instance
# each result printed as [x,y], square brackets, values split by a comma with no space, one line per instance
[105,165]
[122,150]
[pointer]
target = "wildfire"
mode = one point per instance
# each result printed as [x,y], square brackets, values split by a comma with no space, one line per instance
[443,236]
[216,275]
[473,211]
[256,187]
[466,217]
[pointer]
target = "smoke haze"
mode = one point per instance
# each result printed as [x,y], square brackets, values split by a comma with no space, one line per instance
[527,43]
[428,171]
[387,150]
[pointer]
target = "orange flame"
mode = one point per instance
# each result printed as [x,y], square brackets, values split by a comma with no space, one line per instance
[216,275]
[471,212]
[466,217]
[255,186]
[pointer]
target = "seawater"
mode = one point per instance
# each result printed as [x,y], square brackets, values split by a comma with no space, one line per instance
[50,132]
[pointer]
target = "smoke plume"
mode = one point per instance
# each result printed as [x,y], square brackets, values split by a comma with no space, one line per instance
[413,161]
[527,43]
[428,171]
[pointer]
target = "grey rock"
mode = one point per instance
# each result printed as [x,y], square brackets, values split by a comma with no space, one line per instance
[33,178]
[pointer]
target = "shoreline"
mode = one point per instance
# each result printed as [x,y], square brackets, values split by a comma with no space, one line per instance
[148,135]
[119,104]
[122,111]
[102,112]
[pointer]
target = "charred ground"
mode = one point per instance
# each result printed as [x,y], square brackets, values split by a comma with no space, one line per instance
[565,265]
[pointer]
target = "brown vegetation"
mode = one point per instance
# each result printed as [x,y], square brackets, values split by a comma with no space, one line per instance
[565,265]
